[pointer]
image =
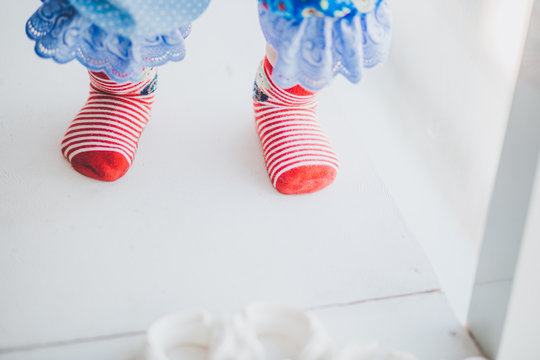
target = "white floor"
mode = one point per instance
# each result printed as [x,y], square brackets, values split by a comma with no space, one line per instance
[86,266]
[420,323]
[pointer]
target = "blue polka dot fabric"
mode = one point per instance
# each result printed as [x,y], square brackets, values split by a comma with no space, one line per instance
[140,18]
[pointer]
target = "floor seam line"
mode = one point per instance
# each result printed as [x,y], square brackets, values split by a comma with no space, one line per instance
[376,299]
[71,342]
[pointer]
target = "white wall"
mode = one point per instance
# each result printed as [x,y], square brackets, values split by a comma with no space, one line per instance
[503,307]
[520,337]
[456,64]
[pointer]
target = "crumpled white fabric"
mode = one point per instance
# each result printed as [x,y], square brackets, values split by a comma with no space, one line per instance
[240,336]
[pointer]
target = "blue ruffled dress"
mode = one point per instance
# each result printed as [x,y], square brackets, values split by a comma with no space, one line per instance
[323,38]
[314,39]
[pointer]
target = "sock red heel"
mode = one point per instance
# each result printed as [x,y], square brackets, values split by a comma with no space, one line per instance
[102,139]
[298,155]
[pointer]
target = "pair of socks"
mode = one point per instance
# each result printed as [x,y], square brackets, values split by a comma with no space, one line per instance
[102,139]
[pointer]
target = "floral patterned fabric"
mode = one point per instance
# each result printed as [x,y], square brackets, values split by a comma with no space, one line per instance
[299,9]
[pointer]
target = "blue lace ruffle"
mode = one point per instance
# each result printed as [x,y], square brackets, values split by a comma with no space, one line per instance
[62,34]
[313,50]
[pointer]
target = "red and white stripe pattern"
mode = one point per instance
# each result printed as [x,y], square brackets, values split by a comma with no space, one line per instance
[109,125]
[290,135]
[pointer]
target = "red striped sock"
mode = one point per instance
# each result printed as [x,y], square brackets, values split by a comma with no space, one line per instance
[298,154]
[102,139]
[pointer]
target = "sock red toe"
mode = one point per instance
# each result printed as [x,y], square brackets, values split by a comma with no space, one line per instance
[305,179]
[101,165]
